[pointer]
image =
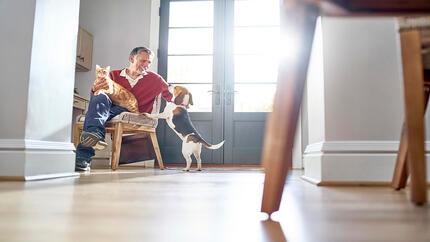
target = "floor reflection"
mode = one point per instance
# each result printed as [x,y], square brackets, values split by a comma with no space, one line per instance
[272,231]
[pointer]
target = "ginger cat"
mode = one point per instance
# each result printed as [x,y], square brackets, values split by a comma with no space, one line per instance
[118,94]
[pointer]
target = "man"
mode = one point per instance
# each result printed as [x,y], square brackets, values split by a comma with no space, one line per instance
[144,84]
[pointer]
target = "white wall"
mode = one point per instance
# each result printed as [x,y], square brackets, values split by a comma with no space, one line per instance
[355,101]
[53,51]
[315,86]
[38,47]
[15,49]
[363,95]
[117,27]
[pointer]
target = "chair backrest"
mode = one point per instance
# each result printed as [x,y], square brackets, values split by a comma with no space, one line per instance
[156,107]
[423,25]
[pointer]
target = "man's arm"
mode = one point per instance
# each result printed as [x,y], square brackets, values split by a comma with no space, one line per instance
[98,84]
[167,95]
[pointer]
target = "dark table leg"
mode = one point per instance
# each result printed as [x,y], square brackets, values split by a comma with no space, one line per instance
[297,18]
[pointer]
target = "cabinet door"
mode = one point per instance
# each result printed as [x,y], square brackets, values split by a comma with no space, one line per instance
[84,50]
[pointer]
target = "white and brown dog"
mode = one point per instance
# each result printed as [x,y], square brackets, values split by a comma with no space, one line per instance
[177,118]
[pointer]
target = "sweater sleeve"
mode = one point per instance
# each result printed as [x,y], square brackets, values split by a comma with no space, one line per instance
[167,95]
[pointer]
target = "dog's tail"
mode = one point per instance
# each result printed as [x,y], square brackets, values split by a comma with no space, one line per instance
[214,147]
[196,138]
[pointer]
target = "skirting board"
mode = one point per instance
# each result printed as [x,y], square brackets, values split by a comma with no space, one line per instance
[353,163]
[34,160]
[349,183]
[144,163]
[104,163]
[39,177]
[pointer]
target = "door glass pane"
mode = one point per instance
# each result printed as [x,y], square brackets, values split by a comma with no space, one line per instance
[190,48]
[185,14]
[190,41]
[254,97]
[193,69]
[255,68]
[256,12]
[256,41]
[202,97]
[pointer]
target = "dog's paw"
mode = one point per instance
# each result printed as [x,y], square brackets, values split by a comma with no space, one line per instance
[186,169]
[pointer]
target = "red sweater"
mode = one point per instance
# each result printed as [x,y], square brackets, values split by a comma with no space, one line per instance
[145,90]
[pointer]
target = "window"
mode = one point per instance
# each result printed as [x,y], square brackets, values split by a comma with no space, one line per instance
[256,36]
[190,49]
[248,50]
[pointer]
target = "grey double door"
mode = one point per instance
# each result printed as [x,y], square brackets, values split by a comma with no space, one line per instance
[228,61]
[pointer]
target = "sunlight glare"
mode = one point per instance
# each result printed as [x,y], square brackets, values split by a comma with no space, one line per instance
[289,47]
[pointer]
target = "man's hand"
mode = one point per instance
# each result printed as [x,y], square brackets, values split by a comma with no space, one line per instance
[149,115]
[100,83]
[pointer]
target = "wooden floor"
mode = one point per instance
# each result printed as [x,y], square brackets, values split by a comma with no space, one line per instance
[217,204]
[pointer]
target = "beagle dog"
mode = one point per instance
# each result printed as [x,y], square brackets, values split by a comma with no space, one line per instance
[179,121]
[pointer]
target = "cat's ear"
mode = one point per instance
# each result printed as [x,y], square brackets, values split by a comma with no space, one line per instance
[97,67]
[107,68]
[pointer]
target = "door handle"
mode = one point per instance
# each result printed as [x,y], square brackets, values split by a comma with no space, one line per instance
[229,96]
[216,92]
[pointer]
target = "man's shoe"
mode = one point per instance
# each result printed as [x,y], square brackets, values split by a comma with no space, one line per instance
[93,140]
[82,165]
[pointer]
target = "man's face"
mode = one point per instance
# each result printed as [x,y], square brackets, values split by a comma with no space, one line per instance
[141,62]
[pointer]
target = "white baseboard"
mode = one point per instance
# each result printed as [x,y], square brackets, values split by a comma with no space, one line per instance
[351,162]
[145,163]
[104,163]
[33,159]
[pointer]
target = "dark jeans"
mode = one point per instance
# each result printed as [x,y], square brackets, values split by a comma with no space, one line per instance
[100,110]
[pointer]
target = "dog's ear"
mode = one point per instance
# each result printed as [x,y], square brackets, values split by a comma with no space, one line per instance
[179,99]
[190,100]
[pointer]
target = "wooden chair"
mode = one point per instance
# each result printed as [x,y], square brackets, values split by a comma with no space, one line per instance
[415,45]
[126,123]
[300,16]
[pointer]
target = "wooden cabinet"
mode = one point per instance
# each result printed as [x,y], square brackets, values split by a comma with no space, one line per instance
[84,50]
[80,105]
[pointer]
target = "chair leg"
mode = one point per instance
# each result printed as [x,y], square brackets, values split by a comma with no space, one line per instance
[77,134]
[401,173]
[157,150]
[414,113]
[116,145]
